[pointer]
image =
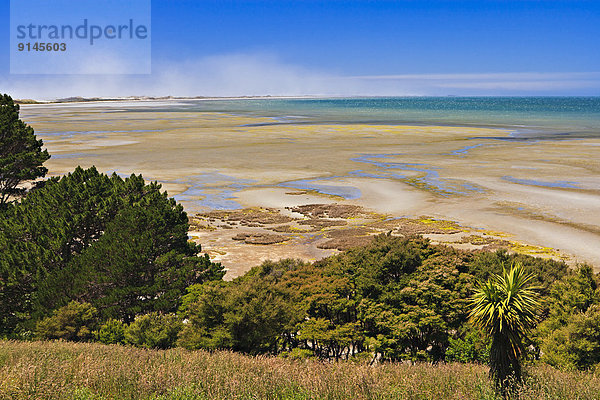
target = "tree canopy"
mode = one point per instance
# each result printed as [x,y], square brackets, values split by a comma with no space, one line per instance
[118,244]
[21,154]
[395,299]
[569,338]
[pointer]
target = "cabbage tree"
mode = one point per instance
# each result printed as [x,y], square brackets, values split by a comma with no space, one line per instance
[505,308]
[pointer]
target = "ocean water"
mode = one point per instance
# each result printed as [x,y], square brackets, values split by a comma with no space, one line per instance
[529,117]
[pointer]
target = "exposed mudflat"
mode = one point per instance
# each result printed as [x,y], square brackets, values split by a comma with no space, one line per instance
[246,178]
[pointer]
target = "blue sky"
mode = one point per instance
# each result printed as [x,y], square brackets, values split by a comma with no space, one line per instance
[350,48]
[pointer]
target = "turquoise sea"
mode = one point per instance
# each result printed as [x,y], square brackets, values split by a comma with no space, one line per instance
[529,117]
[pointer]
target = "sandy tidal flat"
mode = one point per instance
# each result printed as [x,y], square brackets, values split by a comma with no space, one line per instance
[544,194]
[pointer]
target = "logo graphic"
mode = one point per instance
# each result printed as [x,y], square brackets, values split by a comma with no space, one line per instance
[80,37]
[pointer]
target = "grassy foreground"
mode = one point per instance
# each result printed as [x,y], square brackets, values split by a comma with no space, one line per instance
[61,370]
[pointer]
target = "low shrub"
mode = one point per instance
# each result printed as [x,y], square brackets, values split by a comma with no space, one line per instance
[154,331]
[111,332]
[74,322]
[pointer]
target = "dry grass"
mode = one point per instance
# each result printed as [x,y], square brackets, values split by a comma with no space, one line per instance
[260,238]
[329,210]
[345,239]
[60,370]
[255,216]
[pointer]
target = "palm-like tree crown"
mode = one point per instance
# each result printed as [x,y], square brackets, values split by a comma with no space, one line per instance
[505,308]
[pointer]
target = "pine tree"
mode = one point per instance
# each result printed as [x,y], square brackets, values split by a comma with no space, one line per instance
[21,154]
[119,244]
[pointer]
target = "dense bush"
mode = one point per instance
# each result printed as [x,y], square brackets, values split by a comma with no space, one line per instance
[471,346]
[249,314]
[111,332]
[577,344]
[546,271]
[397,299]
[75,321]
[153,331]
[569,338]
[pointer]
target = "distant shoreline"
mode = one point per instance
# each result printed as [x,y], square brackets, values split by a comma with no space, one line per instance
[152,98]
[80,99]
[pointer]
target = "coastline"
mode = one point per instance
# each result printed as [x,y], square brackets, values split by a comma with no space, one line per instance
[92,100]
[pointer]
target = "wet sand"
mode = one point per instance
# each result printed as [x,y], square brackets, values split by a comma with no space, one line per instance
[543,196]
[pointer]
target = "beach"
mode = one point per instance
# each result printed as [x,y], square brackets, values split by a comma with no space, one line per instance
[495,183]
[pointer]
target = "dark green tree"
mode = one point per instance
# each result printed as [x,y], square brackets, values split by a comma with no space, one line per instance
[573,294]
[21,154]
[116,243]
[407,294]
[142,263]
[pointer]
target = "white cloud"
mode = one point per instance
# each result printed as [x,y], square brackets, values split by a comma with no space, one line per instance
[225,75]
[240,74]
[265,74]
